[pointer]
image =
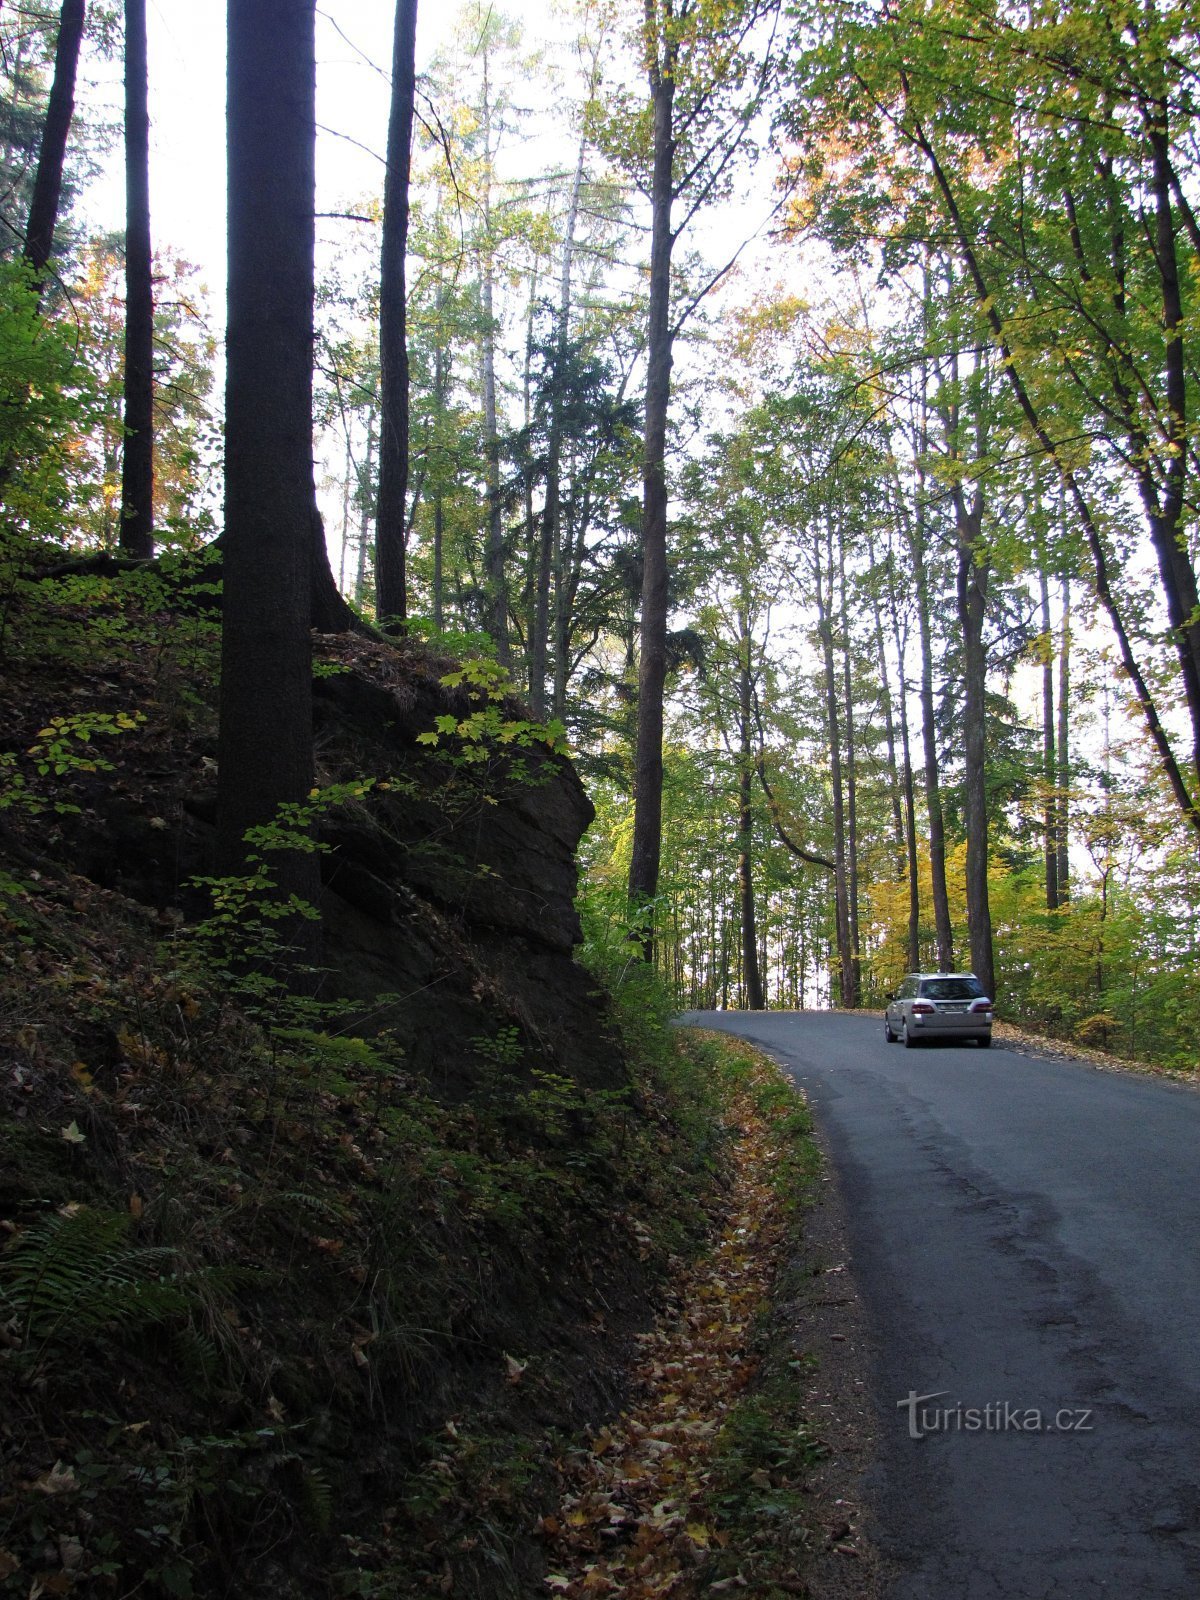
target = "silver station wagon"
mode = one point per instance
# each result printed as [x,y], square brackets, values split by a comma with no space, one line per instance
[939,1005]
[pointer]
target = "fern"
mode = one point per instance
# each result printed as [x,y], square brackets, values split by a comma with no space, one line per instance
[73,1274]
[318,1495]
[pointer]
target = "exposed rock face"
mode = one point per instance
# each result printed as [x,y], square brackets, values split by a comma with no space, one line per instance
[453,888]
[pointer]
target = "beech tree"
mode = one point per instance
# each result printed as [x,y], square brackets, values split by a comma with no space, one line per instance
[265,747]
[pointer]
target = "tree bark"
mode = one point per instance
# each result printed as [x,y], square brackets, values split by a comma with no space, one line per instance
[933,795]
[549,552]
[851,771]
[496,615]
[750,963]
[652,664]
[1049,753]
[391,596]
[841,895]
[137,465]
[266,744]
[1062,830]
[973,573]
[47,183]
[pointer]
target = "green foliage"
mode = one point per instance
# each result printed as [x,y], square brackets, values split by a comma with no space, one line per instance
[243,940]
[63,749]
[486,730]
[76,1275]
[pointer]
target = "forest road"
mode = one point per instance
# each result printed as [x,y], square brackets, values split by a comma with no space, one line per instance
[1025,1234]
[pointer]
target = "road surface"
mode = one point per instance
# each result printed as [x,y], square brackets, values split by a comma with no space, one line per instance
[1026,1238]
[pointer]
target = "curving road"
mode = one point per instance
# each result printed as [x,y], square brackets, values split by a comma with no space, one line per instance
[1026,1238]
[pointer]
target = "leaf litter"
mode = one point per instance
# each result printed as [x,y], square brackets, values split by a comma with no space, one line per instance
[639,1516]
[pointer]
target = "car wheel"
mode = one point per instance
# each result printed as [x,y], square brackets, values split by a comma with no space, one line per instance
[887,1032]
[984,1041]
[909,1042]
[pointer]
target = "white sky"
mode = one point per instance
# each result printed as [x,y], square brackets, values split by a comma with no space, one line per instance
[187,117]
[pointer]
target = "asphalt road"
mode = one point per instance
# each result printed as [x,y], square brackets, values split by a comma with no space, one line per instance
[1026,1237]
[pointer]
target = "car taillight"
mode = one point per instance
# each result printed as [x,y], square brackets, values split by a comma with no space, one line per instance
[981,1005]
[922,1008]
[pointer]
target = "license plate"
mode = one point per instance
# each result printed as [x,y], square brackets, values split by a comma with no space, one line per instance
[954,1008]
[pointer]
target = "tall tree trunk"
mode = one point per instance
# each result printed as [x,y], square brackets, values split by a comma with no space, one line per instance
[549,548]
[851,771]
[364,514]
[496,582]
[266,742]
[1063,784]
[47,183]
[841,896]
[889,715]
[933,795]
[750,962]
[973,572]
[652,664]
[441,385]
[137,467]
[391,595]
[1049,754]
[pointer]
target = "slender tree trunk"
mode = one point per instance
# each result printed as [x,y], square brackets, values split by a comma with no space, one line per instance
[889,716]
[364,515]
[496,582]
[48,180]
[347,496]
[391,595]
[750,962]
[266,745]
[652,665]
[549,548]
[851,771]
[441,383]
[910,836]
[933,794]
[841,896]
[973,571]
[137,468]
[1049,754]
[1064,749]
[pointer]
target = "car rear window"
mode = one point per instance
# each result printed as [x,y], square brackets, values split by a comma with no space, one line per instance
[952,988]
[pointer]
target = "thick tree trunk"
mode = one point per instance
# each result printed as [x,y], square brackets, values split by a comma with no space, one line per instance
[47,183]
[391,596]
[266,744]
[652,663]
[137,468]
